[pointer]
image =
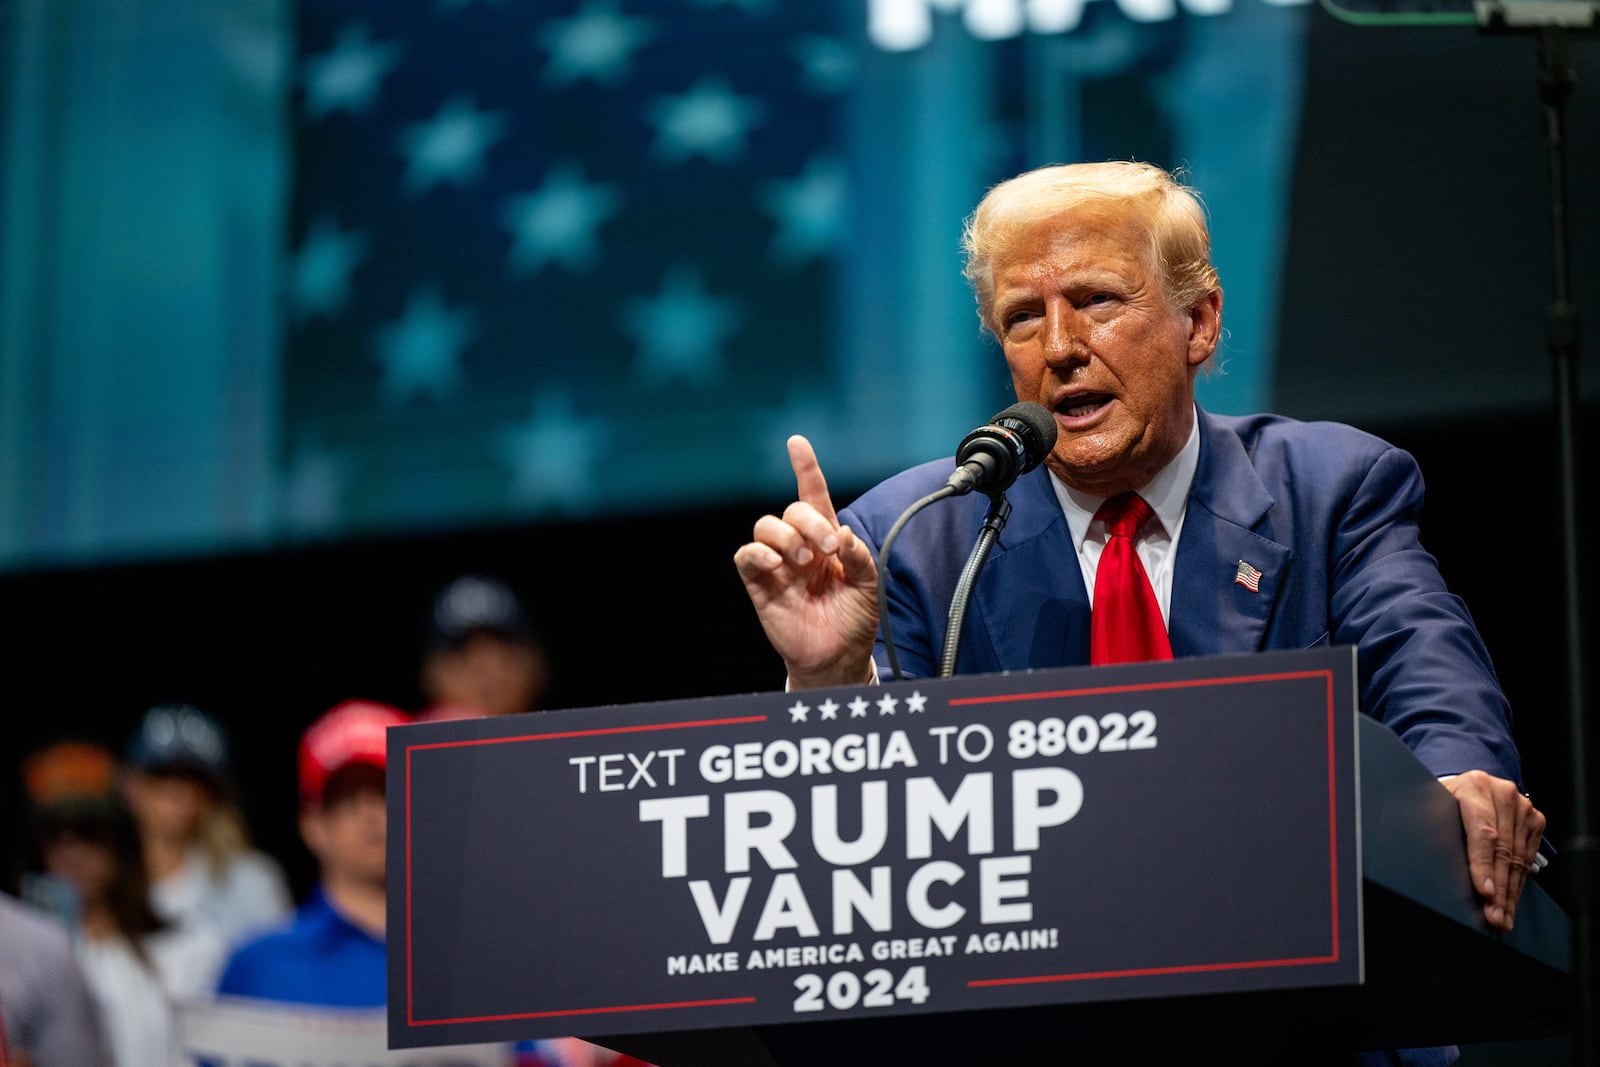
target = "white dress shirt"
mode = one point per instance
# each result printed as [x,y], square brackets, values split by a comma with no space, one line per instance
[1168,496]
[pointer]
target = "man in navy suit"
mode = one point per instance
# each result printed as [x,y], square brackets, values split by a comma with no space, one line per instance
[1263,532]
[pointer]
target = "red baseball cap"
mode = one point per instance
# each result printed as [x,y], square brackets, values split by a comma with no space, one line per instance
[349,733]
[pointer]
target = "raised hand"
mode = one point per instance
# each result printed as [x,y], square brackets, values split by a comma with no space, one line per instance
[813,583]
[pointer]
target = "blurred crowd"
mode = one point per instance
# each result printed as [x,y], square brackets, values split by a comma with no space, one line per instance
[140,892]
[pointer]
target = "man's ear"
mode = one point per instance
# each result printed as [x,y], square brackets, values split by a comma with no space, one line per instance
[312,831]
[1205,327]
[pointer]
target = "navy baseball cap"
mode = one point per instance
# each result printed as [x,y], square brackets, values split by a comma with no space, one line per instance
[475,603]
[179,739]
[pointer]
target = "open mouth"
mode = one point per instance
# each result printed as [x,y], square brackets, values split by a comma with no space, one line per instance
[1082,405]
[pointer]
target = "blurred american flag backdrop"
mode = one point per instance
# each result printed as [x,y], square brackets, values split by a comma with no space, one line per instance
[582,253]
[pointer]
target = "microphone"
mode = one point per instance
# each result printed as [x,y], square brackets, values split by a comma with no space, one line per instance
[993,456]
[990,458]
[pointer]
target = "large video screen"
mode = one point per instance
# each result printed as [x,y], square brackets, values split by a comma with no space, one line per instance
[276,272]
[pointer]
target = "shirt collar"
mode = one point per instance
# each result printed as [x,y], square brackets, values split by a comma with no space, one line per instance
[1167,493]
[329,923]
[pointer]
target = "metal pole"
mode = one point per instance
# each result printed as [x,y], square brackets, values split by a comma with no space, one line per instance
[1556,79]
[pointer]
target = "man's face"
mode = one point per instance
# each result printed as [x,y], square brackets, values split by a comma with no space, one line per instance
[348,831]
[487,673]
[1088,333]
[86,861]
[168,805]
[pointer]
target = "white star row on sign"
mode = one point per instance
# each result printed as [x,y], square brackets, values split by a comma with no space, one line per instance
[886,705]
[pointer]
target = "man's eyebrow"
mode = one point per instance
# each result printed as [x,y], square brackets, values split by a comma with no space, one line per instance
[1005,305]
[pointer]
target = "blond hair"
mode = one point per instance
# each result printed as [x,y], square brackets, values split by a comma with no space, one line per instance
[1172,215]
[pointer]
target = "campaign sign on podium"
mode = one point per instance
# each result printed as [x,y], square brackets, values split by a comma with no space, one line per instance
[980,842]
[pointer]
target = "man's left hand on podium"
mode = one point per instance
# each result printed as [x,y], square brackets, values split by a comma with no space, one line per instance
[1504,830]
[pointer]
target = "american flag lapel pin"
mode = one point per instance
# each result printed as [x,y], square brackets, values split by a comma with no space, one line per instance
[1248,577]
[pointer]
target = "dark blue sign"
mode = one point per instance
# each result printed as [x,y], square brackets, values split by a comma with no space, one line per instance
[928,846]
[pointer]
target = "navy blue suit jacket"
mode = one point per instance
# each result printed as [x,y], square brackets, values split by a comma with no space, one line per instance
[1327,513]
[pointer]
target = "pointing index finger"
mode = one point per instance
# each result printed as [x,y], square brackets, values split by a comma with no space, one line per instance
[813,487]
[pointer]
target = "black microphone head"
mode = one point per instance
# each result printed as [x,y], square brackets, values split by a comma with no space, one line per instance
[1012,443]
[1036,425]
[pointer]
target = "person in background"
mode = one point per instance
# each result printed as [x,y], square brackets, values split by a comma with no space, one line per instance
[483,654]
[47,1014]
[197,849]
[139,967]
[332,953]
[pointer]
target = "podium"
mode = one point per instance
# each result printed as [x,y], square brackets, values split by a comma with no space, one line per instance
[1212,860]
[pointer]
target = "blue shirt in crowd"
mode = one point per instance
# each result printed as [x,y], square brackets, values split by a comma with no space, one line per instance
[319,958]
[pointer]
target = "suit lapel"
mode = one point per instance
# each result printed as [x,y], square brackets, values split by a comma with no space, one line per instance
[1211,612]
[1031,597]
[1033,604]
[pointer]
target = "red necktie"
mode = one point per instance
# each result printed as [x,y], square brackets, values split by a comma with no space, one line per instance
[1125,625]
